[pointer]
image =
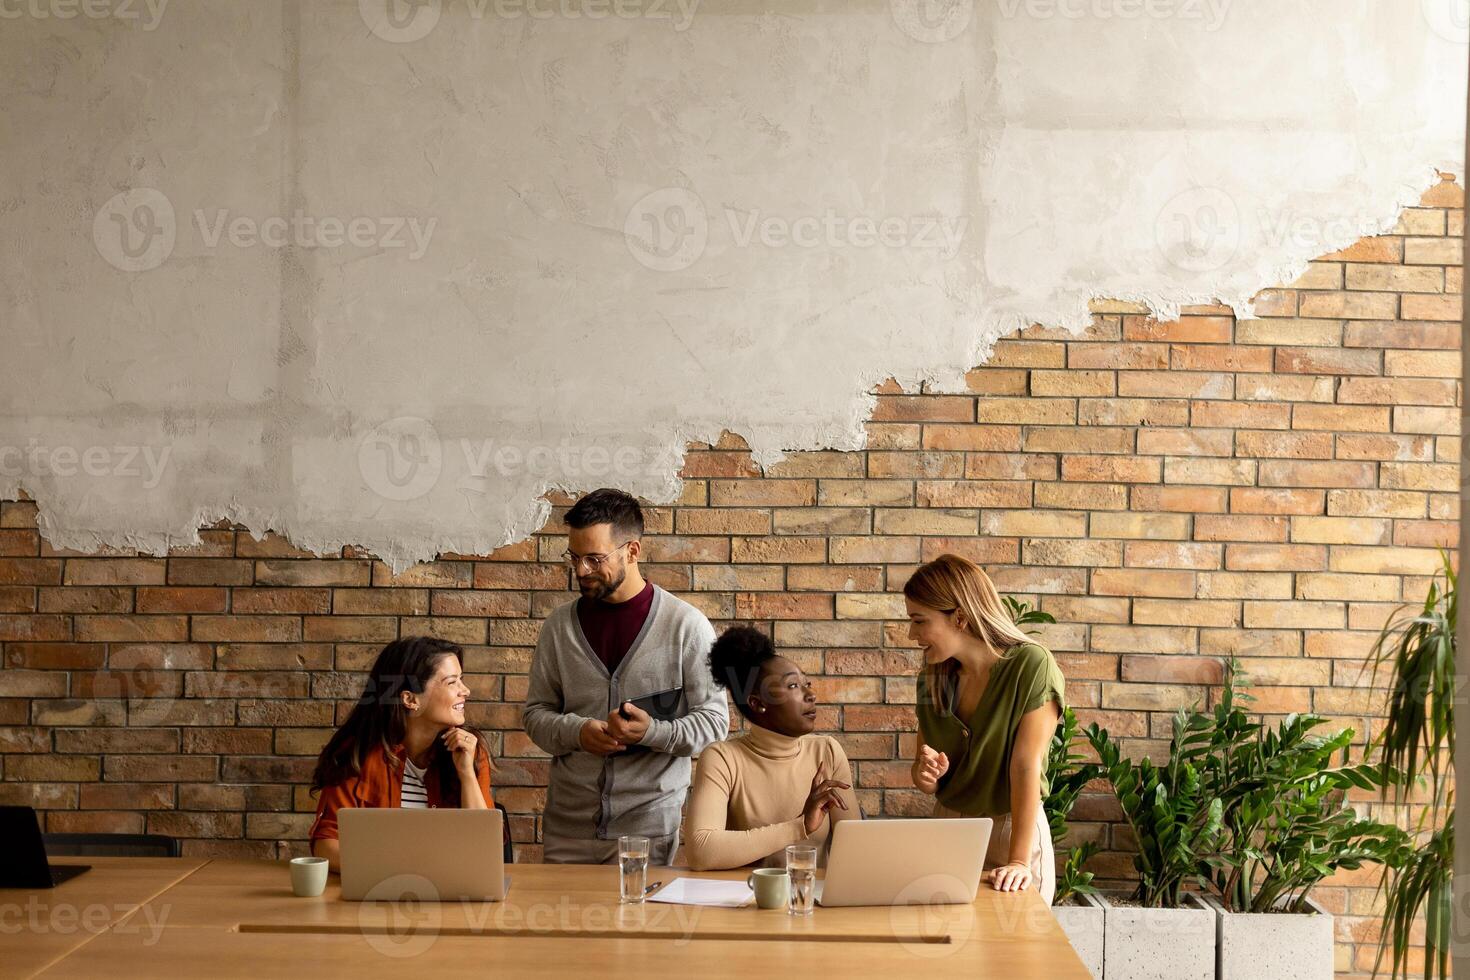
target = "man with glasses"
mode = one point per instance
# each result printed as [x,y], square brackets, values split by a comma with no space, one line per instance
[615,768]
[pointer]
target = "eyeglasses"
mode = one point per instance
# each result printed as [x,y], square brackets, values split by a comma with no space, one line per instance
[594,562]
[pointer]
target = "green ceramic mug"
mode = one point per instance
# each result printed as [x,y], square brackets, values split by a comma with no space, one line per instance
[771,886]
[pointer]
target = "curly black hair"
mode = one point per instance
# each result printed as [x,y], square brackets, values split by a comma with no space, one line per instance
[735,661]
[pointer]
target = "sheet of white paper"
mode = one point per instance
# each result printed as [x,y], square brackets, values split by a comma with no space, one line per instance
[702,891]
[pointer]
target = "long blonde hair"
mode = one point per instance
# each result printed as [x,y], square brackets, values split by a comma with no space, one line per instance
[949,583]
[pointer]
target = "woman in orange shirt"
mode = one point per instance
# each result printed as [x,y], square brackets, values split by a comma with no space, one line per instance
[405,743]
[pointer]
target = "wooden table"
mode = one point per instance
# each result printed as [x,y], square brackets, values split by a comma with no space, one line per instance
[42,926]
[239,918]
[218,953]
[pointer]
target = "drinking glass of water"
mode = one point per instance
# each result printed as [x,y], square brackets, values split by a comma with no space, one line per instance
[801,866]
[633,867]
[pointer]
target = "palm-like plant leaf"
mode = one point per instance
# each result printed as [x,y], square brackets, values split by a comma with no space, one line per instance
[1419,653]
[1023,615]
[1419,739]
[1068,773]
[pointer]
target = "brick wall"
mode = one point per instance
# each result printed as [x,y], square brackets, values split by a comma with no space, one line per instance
[1174,493]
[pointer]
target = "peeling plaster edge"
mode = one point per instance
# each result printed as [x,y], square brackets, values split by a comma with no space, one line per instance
[769,444]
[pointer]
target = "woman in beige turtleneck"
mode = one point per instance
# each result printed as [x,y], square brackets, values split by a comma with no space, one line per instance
[777,784]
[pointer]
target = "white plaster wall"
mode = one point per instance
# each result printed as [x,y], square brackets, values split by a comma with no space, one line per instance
[573,227]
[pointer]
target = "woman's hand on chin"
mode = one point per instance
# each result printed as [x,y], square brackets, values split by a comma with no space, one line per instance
[464,747]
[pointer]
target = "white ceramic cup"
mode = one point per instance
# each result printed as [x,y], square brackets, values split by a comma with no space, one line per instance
[308,876]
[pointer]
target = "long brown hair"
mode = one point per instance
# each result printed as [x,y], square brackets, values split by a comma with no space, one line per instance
[952,582]
[379,720]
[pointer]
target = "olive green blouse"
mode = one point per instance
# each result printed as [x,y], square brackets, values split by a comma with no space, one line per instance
[978,783]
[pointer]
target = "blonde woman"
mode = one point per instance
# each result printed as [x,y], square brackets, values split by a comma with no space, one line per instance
[989,699]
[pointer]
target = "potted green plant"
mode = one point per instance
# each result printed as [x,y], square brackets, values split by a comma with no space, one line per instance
[1162,931]
[1075,905]
[1023,615]
[1286,826]
[1418,739]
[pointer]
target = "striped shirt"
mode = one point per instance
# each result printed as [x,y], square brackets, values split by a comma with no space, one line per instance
[414,796]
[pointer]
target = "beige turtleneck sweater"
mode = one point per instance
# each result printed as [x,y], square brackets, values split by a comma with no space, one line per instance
[749,793]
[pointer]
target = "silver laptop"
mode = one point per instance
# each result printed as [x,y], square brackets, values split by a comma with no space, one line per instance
[905,862]
[436,855]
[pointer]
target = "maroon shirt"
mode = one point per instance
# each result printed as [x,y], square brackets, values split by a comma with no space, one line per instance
[611,627]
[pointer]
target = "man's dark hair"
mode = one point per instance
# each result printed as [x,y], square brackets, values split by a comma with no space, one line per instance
[608,506]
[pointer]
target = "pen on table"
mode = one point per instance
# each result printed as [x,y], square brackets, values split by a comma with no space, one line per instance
[651,886]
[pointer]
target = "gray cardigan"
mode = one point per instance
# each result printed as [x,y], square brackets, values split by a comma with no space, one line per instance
[641,793]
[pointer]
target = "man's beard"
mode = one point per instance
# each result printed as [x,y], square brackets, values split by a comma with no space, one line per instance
[601,590]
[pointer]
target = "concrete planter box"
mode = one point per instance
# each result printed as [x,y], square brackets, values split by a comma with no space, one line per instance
[1159,944]
[1083,924]
[1280,945]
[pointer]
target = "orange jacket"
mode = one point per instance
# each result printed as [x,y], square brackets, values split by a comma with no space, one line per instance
[381,785]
